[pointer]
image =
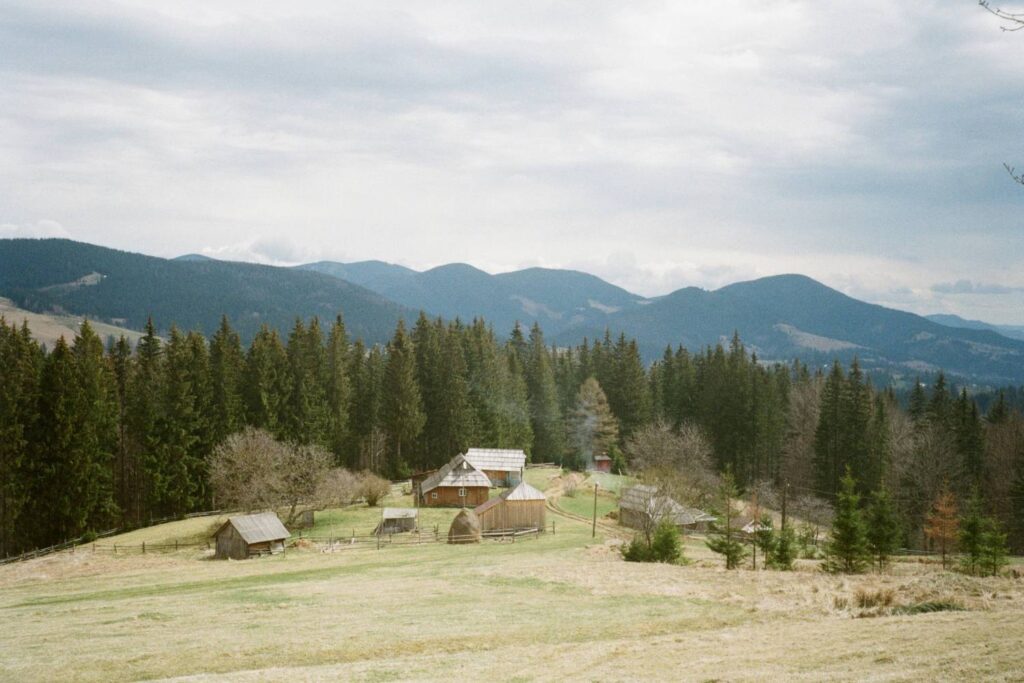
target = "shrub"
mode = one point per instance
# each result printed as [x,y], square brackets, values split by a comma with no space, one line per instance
[666,546]
[373,488]
[879,597]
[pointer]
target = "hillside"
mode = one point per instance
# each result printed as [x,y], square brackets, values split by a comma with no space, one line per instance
[789,316]
[557,299]
[47,328]
[61,276]
[1011,331]
[562,606]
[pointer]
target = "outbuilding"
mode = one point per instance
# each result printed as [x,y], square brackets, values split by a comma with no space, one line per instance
[458,484]
[503,466]
[523,507]
[397,521]
[643,504]
[245,536]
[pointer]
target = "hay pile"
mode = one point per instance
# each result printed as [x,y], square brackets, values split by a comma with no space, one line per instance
[465,527]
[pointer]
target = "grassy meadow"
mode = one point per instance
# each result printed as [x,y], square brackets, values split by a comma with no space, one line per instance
[562,606]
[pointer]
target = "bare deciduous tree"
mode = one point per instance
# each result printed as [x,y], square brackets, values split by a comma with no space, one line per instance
[678,464]
[373,488]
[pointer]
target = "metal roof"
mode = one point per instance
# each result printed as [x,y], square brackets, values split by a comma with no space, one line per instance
[258,528]
[497,459]
[646,499]
[523,492]
[458,472]
[400,513]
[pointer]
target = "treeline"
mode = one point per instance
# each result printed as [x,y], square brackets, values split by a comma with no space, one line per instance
[93,437]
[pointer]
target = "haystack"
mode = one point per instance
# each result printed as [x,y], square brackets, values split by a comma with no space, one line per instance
[465,527]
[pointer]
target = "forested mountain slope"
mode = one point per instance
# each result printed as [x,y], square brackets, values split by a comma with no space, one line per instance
[125,288]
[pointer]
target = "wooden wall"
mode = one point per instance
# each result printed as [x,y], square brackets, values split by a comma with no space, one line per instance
[514,514]
[448,496]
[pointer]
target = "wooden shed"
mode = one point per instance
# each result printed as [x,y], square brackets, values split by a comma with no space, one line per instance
[523,507]
[247,536]
[458,484]
[641,504]
[397,521]
[503,466]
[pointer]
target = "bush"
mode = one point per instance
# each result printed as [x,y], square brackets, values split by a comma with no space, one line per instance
[880,597]
[665,546]
[373,488]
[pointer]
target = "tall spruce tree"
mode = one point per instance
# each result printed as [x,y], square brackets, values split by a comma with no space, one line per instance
[227,366]
[545,417]
[883,531]
[403,417]
[337,389]
[847,550]
[722,538]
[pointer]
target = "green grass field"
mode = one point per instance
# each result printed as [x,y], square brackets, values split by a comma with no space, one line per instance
[558,607]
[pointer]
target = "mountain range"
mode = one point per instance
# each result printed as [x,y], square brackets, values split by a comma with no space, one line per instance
[780,317]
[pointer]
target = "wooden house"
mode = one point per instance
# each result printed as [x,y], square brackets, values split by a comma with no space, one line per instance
[643,504]
[503,466]
[601,463]
[457,484]
[397,521]
[520,508]
[247,536]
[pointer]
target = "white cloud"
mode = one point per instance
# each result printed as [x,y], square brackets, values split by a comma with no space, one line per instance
[38,229]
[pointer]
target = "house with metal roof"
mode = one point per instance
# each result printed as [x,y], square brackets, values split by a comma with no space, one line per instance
[458,483]
[245,536]
[503,466]
[643,504]
[522,507]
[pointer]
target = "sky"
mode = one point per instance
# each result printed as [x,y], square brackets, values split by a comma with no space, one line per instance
[655,144]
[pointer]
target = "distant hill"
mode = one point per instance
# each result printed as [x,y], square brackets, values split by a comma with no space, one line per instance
[789,316]
[193,257]
[1012,331]
[557,299]
[62,276]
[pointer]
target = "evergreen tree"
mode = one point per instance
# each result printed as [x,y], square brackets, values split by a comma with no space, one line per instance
[455,427]
[176,463]
[266,385]
[785,549]
[143,412]
[970,440]
[828,438]
[593,429]
[545,417]
[883,528]
[765,538]
[403,417]
[337,389]
[227,366]
[973,526]
[993,549]
[847,550]
[120,359]
[721,537]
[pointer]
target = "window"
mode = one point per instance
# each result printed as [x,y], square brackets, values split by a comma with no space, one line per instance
[434,494]
[462,493]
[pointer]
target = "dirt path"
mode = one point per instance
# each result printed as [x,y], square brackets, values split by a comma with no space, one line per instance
[556,491]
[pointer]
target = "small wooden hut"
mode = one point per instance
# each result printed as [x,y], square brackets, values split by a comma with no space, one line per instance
[397,521]
[458,483]
[523,507]
[503,466]
[247,536]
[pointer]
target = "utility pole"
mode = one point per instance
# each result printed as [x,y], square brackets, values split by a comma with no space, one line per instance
[593,528]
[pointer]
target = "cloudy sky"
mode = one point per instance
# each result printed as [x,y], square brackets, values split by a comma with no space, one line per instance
[656,144]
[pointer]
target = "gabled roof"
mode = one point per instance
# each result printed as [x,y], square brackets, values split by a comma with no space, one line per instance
[523,492]
[457,472]
[646,499]
[258,528]
[497,459]
[487,505]
[400,513]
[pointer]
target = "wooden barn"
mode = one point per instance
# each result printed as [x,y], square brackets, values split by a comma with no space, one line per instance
[641,504]
[503,466]
[397,521]
[457,484]
[247,536]
[516,509]
[600,463]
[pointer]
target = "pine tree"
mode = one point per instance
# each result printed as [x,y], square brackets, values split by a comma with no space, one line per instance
[970,440]
[765,538]
[227,366]
[721,537]
[973,526]
[993,549]
[337,389]
[828,438]
[176,462]
[266,383]
[545,417]
[143,412]
[785,549]
[847,550]
[592,429]
[883,527]
[455,429]
[403,417]
[120,359]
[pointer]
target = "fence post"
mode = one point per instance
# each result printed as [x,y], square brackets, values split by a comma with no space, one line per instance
[115,549]
[175,545]
[552,527]
[143,547]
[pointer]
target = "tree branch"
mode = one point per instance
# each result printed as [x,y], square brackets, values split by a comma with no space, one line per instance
[1016,19]
[1019,177]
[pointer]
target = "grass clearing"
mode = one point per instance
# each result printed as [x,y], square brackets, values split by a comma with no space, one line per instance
[554,608]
